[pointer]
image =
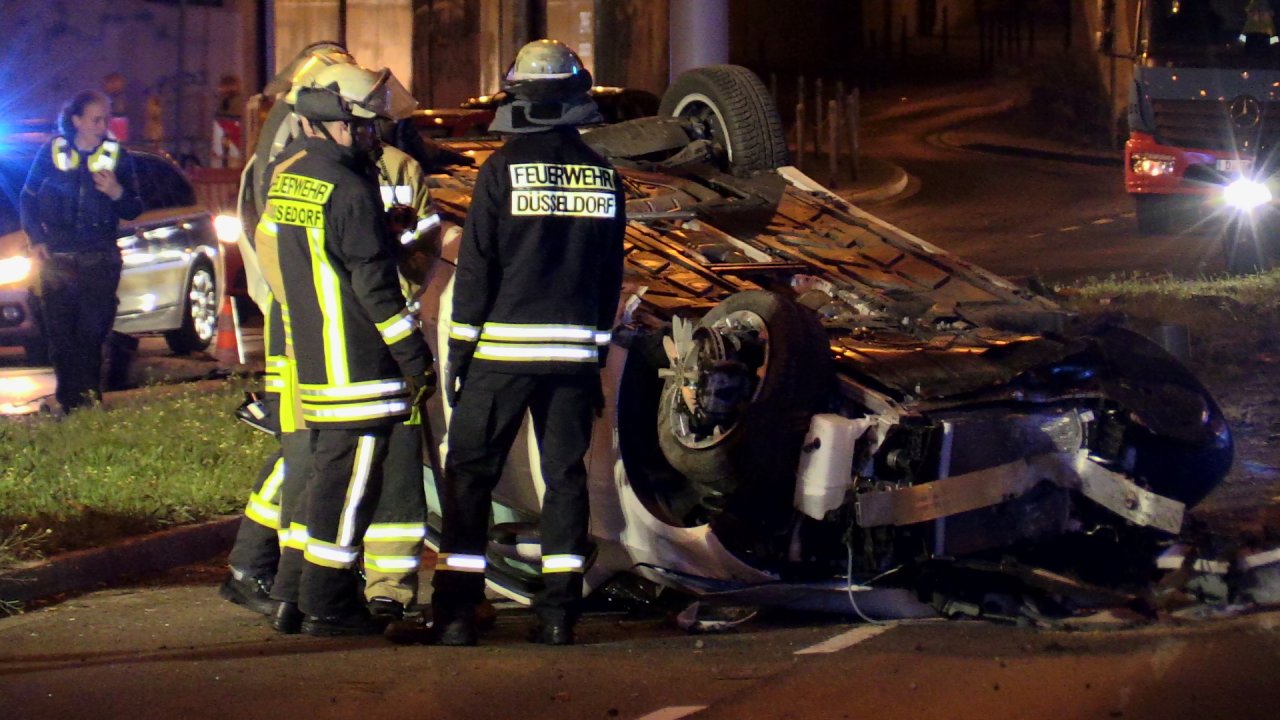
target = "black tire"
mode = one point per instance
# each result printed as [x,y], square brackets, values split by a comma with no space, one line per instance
[1156,214]
[737,109]
[199,313]
[748,472]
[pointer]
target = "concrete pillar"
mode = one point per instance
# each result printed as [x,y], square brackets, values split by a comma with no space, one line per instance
[699,34]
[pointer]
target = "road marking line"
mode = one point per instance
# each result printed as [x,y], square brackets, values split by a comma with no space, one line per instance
[1069,228]
[1036,235]
[845,640]
[1103,221]
[674,712]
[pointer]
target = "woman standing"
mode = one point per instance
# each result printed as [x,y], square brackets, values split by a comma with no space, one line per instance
[80,186]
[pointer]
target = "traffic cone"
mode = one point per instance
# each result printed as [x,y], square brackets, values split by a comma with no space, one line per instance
[226,350]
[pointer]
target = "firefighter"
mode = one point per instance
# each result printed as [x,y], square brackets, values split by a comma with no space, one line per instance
[361,364]
[538,277]
[394,540]
[261,538]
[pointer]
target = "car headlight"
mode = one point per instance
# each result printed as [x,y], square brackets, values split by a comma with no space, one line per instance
[227,228]
[1246,194]
[14,269]
[1151,164]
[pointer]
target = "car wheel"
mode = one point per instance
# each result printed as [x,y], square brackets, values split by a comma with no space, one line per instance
[200,314]
[1155,214]
[736,111]
[735,411]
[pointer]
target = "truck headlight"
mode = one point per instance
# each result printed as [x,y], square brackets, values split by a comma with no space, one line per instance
[1151,164]
[1246,194]
[227,228]
[14,269]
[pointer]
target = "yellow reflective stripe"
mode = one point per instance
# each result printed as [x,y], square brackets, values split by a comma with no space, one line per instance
[562,563]
[262,512]
[396,194]
[536,352]
[299,187]
[508,331]
[466,333]
[390,563]
[271,488]
[458,562]
[105,157]
[355,412]
[384,532]
[330,555]
[396,328]
[329,297]
[355,489]
[365,390]
[266,227]
[294,537]
[65,157]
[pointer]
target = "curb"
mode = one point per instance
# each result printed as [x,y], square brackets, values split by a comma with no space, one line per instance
[897,182]
[87,569]
[1043,150]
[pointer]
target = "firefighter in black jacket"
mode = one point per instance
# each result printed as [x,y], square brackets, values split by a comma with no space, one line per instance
[361,363]
[537,284]
[81,185]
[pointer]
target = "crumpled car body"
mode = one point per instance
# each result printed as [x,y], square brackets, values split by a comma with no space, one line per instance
[810,407]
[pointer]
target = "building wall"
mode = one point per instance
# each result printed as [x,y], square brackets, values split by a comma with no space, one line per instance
[55,48]
[632,44]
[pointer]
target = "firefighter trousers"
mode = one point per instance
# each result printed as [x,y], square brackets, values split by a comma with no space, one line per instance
[485,423]
[256,551]
[392,542]
[291,540]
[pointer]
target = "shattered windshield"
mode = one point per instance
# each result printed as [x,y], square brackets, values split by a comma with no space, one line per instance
[1212,33]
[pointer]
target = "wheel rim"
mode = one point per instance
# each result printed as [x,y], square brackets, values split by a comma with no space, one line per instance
[697,106]
[202,298]
[725,373]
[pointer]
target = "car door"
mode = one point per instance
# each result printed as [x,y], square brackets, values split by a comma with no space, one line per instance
[158,248]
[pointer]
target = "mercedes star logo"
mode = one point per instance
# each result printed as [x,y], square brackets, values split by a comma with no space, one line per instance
[1246,112]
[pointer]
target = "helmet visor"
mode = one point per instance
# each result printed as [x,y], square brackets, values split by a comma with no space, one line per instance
[387,98]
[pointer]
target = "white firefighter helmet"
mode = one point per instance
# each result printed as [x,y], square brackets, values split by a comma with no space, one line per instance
[347,91]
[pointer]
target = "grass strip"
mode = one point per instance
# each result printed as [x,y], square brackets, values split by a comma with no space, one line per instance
[175,457]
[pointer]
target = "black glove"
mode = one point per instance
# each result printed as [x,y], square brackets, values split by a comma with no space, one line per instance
[455,374]
[422,385]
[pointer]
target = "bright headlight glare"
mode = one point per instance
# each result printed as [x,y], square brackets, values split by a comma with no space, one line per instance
[227,227]
[14,269]
[1151,164]
[1246,194]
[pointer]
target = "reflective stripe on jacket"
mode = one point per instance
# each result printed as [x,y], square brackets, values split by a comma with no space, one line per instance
[321,237]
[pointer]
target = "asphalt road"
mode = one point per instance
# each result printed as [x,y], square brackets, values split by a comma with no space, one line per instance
[1018,214]
[177,651]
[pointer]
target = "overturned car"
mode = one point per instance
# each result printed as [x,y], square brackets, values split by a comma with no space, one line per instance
[807,406]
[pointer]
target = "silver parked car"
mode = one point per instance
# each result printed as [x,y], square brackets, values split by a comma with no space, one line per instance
[170,283]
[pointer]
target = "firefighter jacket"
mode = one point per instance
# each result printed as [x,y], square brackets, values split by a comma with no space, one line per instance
[322,247]
[540,264]
[63,210]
